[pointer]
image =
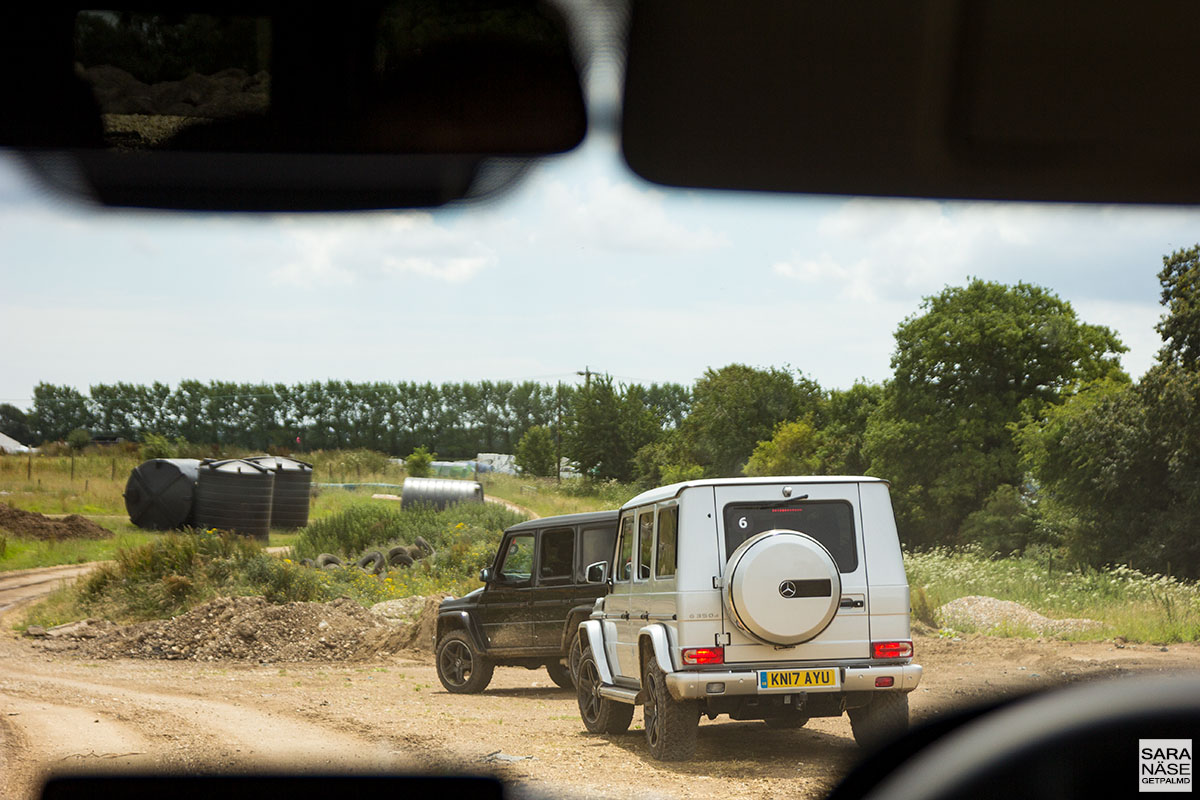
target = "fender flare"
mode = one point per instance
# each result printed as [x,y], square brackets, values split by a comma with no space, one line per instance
[594,635]
[574,618]
[458,620]
[657,634]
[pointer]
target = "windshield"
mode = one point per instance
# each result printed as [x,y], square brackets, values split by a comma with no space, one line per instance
[1023,376]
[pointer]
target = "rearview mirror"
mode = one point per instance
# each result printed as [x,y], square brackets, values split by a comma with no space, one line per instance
[485,574]
[385,102]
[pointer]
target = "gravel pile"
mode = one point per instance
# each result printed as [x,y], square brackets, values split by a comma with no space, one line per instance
[987,613]
[32,525]
[251,629]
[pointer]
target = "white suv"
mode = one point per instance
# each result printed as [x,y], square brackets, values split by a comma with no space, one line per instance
[778,599]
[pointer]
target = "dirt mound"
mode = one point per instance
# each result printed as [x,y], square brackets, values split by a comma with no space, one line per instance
[985,614]
[32,525]
[251,629]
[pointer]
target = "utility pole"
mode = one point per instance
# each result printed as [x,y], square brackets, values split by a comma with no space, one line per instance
[587,377]
[558,433]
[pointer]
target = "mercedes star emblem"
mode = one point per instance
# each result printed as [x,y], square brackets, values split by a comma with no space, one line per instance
[787,589]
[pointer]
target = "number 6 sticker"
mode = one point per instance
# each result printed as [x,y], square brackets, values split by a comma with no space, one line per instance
[743,523]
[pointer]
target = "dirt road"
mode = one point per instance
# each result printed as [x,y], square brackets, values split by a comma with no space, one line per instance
[59,712]
[19,588]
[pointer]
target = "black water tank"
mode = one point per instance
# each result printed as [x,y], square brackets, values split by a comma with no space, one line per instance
[293,485]
[439,492]
[160,493]
[235,495]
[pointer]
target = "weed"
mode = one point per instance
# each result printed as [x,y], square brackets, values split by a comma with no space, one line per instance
[1129,603]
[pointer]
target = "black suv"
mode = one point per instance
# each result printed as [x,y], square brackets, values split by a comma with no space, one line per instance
[534,596]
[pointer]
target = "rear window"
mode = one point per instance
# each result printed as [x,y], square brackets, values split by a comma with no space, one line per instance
[830,522]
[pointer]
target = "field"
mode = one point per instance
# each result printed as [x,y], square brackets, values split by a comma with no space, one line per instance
[1127,603]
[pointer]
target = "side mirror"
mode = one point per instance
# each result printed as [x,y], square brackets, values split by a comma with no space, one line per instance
[597,572]
[485,574]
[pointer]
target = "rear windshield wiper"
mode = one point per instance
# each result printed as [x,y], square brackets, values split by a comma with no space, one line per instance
[788,500]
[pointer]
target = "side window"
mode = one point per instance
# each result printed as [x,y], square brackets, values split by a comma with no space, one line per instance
[645,543]
[517,565]
[668,529]
[595,544]
[624,563]
[557,556]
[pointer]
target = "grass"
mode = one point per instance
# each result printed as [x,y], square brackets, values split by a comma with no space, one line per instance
[1151,608]
[1128,603]
[465,537]
[167,574]
[21,553]
[44,483]
[546,497]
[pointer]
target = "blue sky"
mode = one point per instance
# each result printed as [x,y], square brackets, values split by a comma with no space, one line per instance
[583,265]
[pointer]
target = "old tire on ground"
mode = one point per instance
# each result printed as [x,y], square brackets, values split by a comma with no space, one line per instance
[883,719]
[560,674]
[575,655]
[671,724]
[599,714]
[426,547]
[461,668]
[372,562]
[307,562]
[399,557]
[328,560]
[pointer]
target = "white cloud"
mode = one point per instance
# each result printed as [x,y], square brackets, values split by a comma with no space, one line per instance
[341,252]
[616,215]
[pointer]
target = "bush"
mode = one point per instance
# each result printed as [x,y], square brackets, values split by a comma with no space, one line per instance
[155,446]
[79,439]
[418,462]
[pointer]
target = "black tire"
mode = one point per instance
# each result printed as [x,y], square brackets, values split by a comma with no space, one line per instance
[460,668]
[372,562]
[307,562]
[399,557]
[560,674]
[671,724]
[575,655]
[599,714]
[882,720]
[426,548]
[328,561]
[791,722]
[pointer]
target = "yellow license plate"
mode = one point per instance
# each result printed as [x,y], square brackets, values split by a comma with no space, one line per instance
[797,679]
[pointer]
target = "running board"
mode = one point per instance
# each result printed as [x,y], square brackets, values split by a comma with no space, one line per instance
[619,694]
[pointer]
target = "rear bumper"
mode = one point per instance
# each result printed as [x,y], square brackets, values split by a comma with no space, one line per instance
[689,685]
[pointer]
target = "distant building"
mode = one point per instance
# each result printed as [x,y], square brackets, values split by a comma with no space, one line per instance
[11,445]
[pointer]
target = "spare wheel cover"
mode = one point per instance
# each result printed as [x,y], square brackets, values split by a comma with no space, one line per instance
[782,587]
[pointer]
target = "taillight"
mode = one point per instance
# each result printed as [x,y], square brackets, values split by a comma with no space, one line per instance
[902,649]
[703,655]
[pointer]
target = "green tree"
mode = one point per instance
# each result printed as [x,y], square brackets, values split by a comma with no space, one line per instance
[1180,327]
[15,423]
[841,439]
[607,426]
[535,452]
[972,363]
[419,461]
[736,407]
[791,451]
[58,410]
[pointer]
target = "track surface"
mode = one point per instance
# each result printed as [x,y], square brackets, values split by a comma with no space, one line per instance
[59,712]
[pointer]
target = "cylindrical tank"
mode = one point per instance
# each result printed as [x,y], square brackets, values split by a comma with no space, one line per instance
[160,493]
[235,495]
[439,492]
[293,485]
